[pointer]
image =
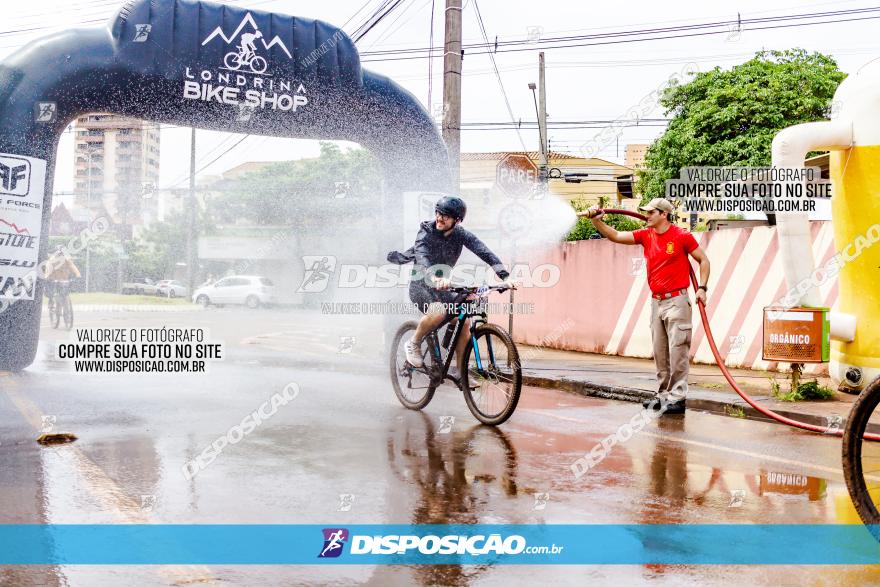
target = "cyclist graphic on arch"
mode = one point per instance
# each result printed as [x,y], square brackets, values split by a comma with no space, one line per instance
[247,54]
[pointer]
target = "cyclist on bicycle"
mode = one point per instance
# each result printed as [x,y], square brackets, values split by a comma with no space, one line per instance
[248,48]
[439,243]
[59,268]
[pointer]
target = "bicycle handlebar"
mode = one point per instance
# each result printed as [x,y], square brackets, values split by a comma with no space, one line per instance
[475,289]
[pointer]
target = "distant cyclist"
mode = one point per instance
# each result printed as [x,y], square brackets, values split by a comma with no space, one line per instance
[439,243]
[59,269]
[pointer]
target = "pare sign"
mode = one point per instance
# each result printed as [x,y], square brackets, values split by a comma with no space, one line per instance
[516,174]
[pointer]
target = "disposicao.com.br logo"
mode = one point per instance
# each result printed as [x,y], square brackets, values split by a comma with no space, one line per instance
[334,540]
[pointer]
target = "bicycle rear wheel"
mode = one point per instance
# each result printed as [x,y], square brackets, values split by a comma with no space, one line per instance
[67,312]
[494,372]
[414,386]
[861,458]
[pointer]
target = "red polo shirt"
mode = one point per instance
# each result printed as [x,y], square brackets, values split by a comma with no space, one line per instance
[667,255]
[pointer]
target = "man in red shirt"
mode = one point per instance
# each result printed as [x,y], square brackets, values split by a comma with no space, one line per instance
[666,249]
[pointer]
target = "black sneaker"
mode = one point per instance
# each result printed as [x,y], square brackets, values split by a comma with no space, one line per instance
[676,407]
[656,404]
[652,404]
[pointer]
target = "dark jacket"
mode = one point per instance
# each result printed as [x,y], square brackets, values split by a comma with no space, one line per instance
[433,248]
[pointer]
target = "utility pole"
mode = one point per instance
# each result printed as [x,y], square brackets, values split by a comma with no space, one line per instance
[452,56]
[190,214]
[90,154]
[542,119]
[89,210]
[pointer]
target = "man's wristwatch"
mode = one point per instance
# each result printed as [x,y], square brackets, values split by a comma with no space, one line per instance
[704,288]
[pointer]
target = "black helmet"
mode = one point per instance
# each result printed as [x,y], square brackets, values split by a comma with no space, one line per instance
[451,206]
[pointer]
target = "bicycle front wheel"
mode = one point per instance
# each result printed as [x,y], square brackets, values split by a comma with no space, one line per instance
[861,458]
[67,311]
[492,381]
[414,386]
[54,312]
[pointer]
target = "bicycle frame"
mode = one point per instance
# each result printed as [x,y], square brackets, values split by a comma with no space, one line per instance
[478,318]
[59,290]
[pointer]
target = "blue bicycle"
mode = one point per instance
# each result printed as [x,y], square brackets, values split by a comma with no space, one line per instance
[492,379]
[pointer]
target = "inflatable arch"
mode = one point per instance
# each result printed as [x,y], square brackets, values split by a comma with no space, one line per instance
[198,64]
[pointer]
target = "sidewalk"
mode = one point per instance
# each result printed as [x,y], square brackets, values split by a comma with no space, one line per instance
[630,379]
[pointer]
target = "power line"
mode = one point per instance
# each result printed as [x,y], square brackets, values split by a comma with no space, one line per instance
[655,30]
[214,160]
[635,62]
[533,124]
[431,61]
[497,74]
[358,35]
[643,35]
[351,18]
[76,7]
[67,25]
[368,19]
[390,31]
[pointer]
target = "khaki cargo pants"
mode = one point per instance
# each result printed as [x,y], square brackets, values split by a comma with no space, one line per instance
[671,334]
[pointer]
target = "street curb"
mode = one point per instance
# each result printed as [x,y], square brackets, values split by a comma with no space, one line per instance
[720,407]
[85,308]
[589,389]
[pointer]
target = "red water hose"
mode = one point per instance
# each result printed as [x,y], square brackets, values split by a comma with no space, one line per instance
[769,413]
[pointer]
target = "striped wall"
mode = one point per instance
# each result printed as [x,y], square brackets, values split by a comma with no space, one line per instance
[602,305]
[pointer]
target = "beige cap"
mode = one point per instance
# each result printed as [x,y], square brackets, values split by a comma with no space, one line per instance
[658,204]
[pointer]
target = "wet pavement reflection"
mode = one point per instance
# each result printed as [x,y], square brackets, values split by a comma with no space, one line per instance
[344,452]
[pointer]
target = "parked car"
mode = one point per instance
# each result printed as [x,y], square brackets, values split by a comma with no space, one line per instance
[250,290]
[141,285]
[171,288]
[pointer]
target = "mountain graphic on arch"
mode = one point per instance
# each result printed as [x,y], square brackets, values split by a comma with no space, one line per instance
[248,19]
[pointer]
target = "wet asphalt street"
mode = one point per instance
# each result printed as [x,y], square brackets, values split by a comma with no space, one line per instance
[343,451]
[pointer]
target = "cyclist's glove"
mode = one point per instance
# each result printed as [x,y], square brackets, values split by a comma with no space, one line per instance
[403,258]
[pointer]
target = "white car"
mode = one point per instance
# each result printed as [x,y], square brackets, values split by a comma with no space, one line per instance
[252,291]
[142,286]
[171,288]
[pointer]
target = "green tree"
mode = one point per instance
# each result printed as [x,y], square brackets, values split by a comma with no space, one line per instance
[729,117]
[160,247]
[584,228]
[303,193]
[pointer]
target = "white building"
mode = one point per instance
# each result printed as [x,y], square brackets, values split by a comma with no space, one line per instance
[117,161]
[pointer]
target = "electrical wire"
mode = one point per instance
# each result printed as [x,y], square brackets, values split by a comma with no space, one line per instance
[641,35]
[389,32]
[352,17]
[431,61]
[206,165]
[498,75]
[635,32]
[368,19]
[360,35]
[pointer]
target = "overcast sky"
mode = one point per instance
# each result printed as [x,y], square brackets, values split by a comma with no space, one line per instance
[583,83]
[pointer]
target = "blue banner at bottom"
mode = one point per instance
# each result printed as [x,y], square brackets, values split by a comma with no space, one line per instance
[438,544]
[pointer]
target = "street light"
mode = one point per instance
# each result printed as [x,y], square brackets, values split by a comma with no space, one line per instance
[541,138]
[534,87]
